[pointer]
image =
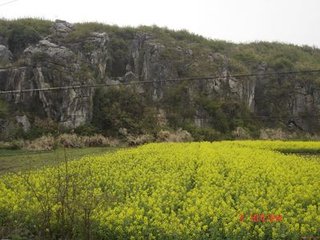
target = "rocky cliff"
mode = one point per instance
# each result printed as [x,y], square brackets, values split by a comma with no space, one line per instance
[72,55]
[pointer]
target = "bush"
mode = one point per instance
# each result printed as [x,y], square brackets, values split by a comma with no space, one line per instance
[3,109]
[44,143]
[177,136]
[240,133]
[75,141]
[49,142]
[22,32]
[178,106]
[268,133]
[70,141]
[98,140]
[83,30]
[86,130]
[14,145]
[204,133]
[139,140]
[116,108]
[119,52]
[17,144]
[41,127]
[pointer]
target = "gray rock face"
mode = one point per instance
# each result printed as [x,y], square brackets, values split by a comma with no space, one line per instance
[50,64]
[53,62]
[305,105]
[226,85]
[96,52]
[57,62]
[5,55]
[24,121]
[47,51]
[129,77]
[3,41]
[295,98]
[148,65]
[62,28]
[47,66]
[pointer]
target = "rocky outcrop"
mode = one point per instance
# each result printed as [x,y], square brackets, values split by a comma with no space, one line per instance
[61,60]
[49,65]
[293,101]
[148,65]
[5,55]
[61,28]
[24,122]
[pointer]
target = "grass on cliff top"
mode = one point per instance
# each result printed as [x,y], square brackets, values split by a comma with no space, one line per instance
[277,56]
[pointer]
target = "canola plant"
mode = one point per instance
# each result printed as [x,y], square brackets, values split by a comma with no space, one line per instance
[219,190]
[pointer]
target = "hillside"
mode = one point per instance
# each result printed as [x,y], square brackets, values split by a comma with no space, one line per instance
[42,54]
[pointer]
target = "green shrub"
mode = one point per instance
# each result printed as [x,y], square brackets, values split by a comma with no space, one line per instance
[13,145]
[282,64]
[86,130]
[122,107]
[22,32]
[16,144]
[204,133]
[3,109]
[40,127]
[83,30]
[178,106]
[119,51]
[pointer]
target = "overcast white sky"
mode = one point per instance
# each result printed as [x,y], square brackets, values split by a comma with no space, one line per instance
[289,21]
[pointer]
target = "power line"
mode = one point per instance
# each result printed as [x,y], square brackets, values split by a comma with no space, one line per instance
[198,78]
[6,3]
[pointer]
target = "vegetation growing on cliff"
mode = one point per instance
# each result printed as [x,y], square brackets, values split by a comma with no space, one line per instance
[3,109]
[187,105]
[117,108]
[21,32]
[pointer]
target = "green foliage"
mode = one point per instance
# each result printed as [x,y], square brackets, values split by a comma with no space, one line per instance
[86,130]
[119,51]
[118,46]
[282,64]
[220,46]
[204,133]
[187,54]
[22,32]
[225,115]
[20,37]
[3,109]
[177,103]
[247,56]
[39,57]
[40,25]
[220,115]
[83,30]
[280,56]
[122,107]
[40,127]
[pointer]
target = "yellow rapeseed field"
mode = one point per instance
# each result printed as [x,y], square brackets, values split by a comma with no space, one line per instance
[219,190]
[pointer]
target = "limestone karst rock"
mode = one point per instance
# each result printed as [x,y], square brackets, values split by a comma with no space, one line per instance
[67,56]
